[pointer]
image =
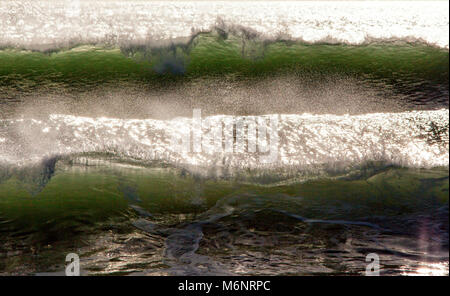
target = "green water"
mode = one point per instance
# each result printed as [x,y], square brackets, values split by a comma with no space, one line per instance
[211,54]
[91,194]
[95,209]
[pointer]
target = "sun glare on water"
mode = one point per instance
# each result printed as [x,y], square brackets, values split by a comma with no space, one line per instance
[429,269]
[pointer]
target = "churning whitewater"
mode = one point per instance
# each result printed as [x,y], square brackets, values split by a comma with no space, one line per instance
[411,139]
[50,24]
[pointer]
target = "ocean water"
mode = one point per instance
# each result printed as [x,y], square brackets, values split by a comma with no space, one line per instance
[224,138]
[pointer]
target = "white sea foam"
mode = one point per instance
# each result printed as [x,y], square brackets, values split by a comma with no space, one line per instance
[412,139]
[46,24]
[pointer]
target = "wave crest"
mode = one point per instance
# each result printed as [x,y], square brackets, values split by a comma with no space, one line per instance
[115,22]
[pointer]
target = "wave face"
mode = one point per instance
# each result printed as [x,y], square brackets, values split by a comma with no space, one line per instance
[46,24]
[224,74]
